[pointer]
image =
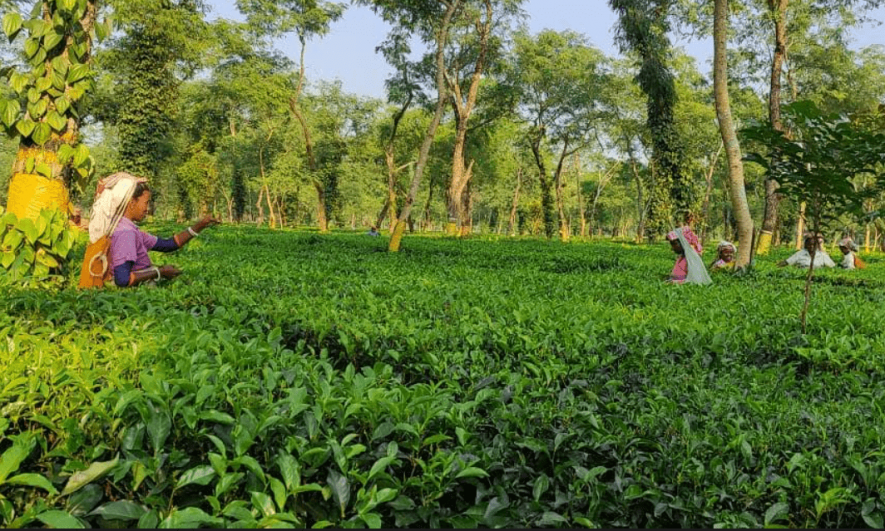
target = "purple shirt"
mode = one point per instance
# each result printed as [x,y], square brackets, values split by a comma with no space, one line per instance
[130,244]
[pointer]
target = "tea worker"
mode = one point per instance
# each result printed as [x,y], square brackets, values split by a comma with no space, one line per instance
[850,260]
[803,258]
[123,200]
[724,257]
[689,267]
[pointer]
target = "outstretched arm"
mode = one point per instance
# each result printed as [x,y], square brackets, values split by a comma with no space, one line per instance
[191,232]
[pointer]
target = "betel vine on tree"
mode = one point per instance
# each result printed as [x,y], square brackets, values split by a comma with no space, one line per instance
[43,106]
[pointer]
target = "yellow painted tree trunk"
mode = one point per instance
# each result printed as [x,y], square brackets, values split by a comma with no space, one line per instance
[30,192]
[763,247]
[39,180]
[396,238]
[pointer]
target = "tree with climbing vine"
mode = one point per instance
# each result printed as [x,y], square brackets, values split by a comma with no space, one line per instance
[43,108]
[642,29]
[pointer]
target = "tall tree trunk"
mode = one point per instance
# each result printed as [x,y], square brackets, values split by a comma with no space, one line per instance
[322,218]
[640,204]
[273,219]
[442,36]
[428,222]
[778,10]
[582,210]
[466,204]
[866,239]
[270,209]
[295,108]
[29,192]
[544,179]
[463,105]
[559,185]
[454,202]
[392,170]
[709,192]
[383,214]
[800,227]
[729,137]
[511,224]
[260,217]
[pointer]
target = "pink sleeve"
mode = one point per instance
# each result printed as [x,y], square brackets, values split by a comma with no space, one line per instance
[123,248]
[148,239]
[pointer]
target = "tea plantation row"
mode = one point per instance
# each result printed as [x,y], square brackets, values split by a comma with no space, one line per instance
[290,379]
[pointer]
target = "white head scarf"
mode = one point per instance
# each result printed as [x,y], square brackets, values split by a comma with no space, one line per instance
[697,271]
[849,243]
[725,245]
[114,194]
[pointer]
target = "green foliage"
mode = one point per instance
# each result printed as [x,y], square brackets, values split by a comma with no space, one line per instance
[821,164]
[35,252]
[821,159]
[642,29]
[48,91]
[198,179]
[306,18]
[163,43]
[507,383]
[559,79]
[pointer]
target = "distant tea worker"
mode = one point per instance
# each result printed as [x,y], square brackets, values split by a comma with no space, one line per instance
[724,257]
[119,245]
[803,258]
[689,267]
[850,260]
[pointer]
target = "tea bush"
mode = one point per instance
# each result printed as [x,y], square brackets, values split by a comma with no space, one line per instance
[35,252]
[291,379]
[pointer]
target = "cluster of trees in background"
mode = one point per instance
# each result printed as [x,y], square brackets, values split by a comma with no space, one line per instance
[487,127]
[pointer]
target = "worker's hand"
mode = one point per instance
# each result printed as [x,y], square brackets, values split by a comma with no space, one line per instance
[208,221]
[170,272]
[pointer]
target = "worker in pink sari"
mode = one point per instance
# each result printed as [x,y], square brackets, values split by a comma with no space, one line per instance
[689,267]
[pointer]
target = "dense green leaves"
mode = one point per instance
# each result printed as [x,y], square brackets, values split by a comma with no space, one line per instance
[527,384]
[35,252]
[57,54]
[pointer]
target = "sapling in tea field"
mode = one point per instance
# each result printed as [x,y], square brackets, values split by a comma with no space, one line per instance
[818,164]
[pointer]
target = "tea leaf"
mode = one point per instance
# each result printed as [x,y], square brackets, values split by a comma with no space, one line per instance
[32,480]
[22,446]
[340,489]
[190,518]
[120,510]
[85,477]
[201,475]
[472,472]
[60,520]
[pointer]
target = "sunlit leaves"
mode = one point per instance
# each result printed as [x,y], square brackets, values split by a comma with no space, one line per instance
[536,374]
[93,472]
[56,48]
[12,24]
[34,249]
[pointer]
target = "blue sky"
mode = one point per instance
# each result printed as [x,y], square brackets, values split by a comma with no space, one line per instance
[348,52]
